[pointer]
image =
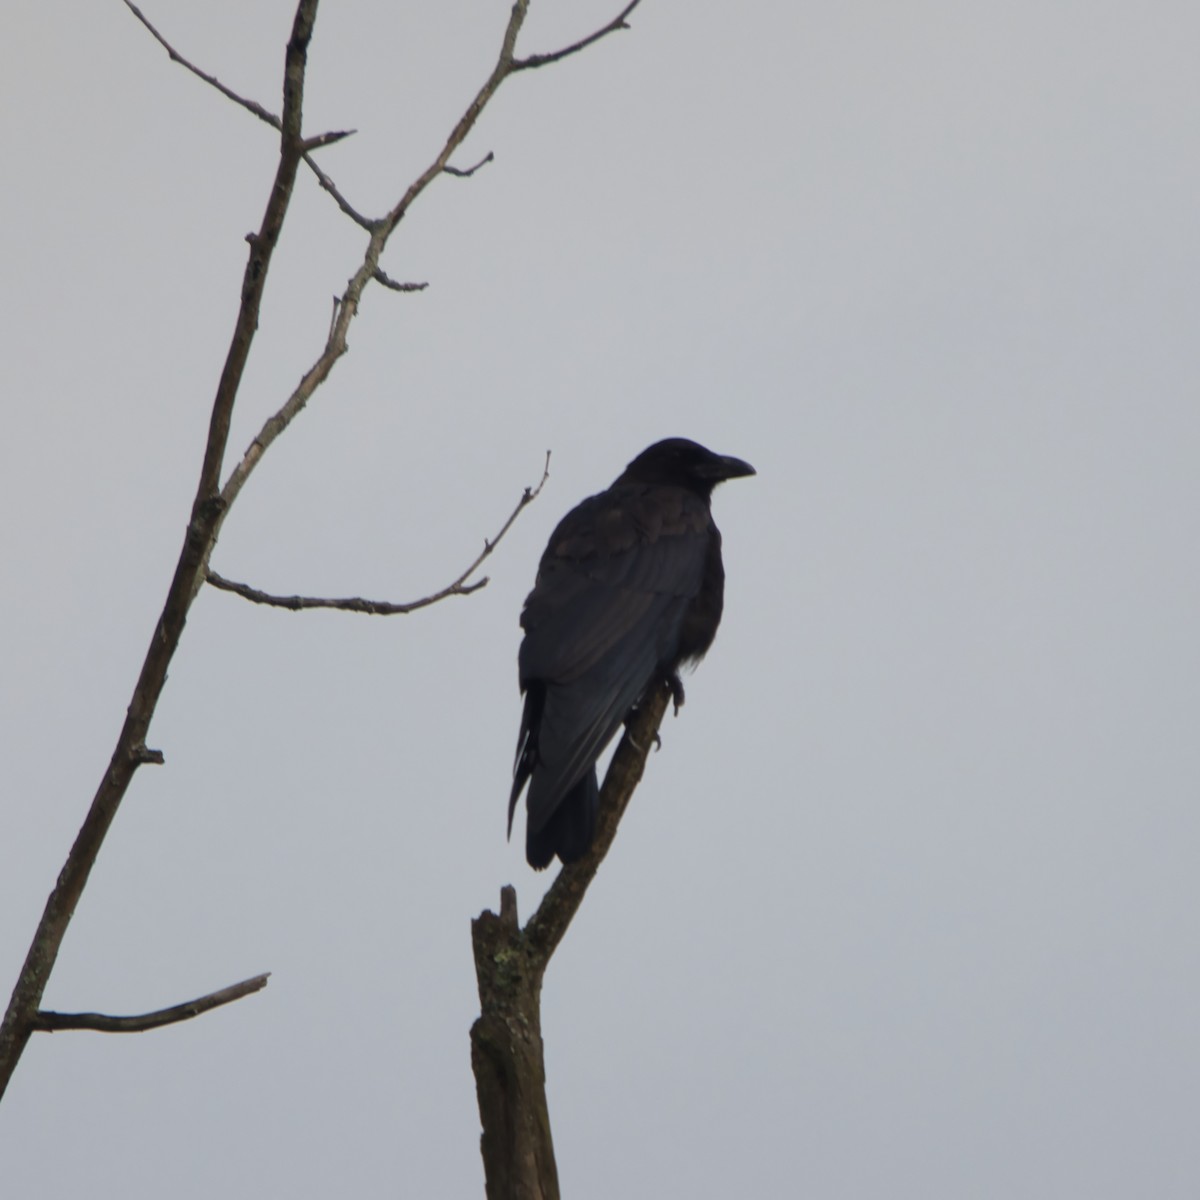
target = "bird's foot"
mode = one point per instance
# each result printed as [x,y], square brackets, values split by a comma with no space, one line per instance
[655,743]
[655,740]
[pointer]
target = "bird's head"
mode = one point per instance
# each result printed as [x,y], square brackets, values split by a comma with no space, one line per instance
[683,463]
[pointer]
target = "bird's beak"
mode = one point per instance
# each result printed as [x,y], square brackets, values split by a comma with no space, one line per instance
[728,467]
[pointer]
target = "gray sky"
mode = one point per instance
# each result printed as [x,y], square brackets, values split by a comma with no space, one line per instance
[908,904]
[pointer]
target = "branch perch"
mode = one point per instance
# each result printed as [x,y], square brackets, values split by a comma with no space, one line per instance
[52,1022]
[510,963]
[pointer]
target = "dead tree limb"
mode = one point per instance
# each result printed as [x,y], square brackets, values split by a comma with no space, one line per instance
[510,964]
[52,1022]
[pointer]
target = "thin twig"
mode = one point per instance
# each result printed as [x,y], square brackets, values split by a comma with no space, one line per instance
[381,276]
[386,608]
[500,72]
[326,139]
[376,608]
[541,60]
[249,105]
[263,114]
[467,172]
[52,1022]
[367,223]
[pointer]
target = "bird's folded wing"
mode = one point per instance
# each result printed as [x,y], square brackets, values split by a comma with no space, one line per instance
[607,608]
[579,718]
[607,579]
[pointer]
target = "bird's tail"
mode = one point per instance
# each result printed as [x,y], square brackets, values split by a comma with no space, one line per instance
[569,831]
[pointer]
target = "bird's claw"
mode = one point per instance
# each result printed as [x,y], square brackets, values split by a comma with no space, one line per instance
[675,686]
[655,742]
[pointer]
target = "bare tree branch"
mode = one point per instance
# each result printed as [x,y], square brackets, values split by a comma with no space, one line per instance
[385,608]
[541,60]
[380,232]
[467,172]
[249,105]
[263,114]
[367,223]
[503,68]
[376,608]
[207,512]
[52,1022]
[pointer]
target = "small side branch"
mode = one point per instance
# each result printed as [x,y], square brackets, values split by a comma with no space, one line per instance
[381,276]
[144,756]
[363,222]
[467,172]
[541,60]
[52,1022]
[384,608]
[375,608]
[326,139]
[249,105]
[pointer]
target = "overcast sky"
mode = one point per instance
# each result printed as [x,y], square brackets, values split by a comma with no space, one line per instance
[908,905]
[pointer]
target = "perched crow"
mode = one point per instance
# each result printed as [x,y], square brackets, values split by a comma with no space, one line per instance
[629,589]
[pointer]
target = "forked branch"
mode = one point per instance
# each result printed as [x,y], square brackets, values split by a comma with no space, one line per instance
[263,114]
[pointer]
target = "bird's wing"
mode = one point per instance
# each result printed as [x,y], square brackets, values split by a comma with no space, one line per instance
[607,608]
[614,564]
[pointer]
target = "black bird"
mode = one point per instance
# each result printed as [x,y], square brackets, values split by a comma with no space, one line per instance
[629,589]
